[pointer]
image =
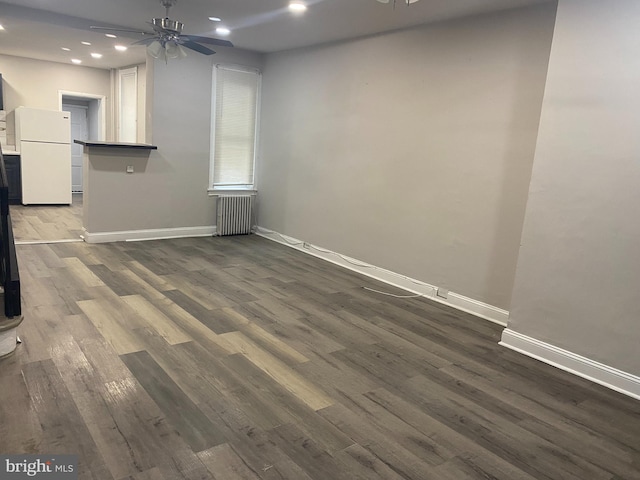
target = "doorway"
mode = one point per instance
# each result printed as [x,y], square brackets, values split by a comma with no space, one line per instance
[79,131]
[57,223]
[87,123]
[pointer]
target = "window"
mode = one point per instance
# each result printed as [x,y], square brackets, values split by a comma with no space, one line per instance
[234,126]
[128,105]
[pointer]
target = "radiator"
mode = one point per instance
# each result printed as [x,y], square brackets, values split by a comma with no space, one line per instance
[234,214]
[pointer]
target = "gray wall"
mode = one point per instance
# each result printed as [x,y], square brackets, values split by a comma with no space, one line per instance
[24,83]
[171,192]
[411,151]
[578,275]
[35,83]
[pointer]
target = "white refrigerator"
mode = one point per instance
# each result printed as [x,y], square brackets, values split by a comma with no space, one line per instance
[43,138]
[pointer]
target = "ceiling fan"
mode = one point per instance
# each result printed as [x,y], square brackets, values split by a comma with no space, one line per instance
[167,40]
[408,2]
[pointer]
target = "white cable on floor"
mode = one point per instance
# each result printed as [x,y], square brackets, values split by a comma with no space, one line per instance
[346,259]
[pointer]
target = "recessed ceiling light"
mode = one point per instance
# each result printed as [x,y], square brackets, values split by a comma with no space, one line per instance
[86,43]
[1,27]
[96,55]
[65,49]
[120,48]
[215,19]
[110,35]
[76,61]
[297,6]
[223,31]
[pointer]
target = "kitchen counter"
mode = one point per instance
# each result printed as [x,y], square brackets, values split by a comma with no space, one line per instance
[116,174]
[134,146]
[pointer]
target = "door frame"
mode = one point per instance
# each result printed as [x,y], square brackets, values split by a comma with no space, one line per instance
[102,114]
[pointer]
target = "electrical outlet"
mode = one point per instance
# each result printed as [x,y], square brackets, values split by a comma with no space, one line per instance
[306,245]
[129,168]
[442,293]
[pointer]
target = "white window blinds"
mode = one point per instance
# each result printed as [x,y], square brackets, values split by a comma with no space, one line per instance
[128,105]
[234,130]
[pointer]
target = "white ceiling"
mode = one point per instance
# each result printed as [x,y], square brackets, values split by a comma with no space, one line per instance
[39,28]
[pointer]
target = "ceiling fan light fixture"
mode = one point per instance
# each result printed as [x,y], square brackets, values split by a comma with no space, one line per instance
[171,50]
[406,2]
[174,50]
[155,49]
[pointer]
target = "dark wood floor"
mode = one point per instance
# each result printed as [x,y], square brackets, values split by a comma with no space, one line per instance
[238,358]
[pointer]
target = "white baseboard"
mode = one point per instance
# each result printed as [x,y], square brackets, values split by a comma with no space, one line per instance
[40,242]
[600,373]
[460,302]
[477,308]
[155,234]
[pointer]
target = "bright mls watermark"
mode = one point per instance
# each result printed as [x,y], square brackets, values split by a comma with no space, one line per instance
[50,467]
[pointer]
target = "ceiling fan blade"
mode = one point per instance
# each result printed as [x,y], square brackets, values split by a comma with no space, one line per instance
[207,40]
[146,41]
[198,48]
[128,30]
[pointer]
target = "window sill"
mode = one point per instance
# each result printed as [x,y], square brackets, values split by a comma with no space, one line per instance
[214,192]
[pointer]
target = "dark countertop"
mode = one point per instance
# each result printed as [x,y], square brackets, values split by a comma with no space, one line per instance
[135,146]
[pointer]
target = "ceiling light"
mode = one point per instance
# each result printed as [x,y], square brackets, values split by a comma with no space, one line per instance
[155,49]
[297,7]
[1,27]
[77,61]
[85,43]
[223,31]
[215,19]
[96,55]
[165,50]
[174,50]
[65,49]
[120,48]
[110,35]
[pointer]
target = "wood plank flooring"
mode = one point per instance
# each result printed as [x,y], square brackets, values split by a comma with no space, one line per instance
[32,223]
[237,358]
